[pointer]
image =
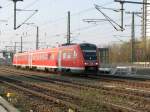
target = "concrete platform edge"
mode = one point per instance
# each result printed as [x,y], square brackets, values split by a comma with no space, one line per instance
[7,105]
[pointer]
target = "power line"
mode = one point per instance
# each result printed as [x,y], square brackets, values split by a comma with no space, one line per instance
[15,10]
[75,14]
[122,2]
[5,6]
[29,5]
[131,2]
[79,29]
[111,21]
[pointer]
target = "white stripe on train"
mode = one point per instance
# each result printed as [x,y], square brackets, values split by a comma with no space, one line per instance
[73,68]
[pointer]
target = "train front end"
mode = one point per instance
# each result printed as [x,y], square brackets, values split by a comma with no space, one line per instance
[90,55]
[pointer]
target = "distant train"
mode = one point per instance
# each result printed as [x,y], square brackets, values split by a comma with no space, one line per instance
[76,58]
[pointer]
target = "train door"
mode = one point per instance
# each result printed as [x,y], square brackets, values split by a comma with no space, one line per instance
[59,60]
[16,60]
[30,60]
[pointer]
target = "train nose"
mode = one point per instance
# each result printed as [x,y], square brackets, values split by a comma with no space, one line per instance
[85,63]
[91,63]
[96,63]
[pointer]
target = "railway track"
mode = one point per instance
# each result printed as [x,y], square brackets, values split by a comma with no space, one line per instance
[103,83]
[80,86]
[115,80]
[38,91]
[35,91]
[128,94]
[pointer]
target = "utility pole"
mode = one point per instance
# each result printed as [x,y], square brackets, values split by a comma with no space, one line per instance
[15,2]
[122,15]
[133,58]
[37,38]
[131,2]
[68,29]
[21,44]
[15,47]
[37,34]
[122,2]
[144,26]
[133,51]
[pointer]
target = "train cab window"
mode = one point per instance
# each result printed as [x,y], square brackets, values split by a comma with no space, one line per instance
[90,55]
[89,51]
[88,47]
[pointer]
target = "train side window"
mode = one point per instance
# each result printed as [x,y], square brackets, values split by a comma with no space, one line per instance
[38,57]
[74,54]
[64,55]
[53,56]
[43,56]
[35,57]
[69,56]
[49,56]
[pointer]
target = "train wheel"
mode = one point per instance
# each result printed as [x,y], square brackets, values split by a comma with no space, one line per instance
[46,70]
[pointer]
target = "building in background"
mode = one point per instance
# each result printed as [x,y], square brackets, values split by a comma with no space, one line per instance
[147,18]
[6,57]
[146,29]
[103,55]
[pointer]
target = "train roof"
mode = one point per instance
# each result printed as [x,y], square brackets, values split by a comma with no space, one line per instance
[56,48]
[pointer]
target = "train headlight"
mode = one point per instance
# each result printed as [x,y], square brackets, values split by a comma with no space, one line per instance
[86,63]
[96,63]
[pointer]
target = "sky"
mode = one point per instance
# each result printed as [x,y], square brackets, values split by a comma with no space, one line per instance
[51,19]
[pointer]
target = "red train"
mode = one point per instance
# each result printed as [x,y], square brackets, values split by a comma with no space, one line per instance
[66,58]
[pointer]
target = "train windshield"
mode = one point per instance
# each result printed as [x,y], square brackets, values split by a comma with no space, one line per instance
[89,51]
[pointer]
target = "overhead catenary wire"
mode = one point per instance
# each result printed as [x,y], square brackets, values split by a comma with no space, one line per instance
[31,4]
[77,15]
[28,6]
[63,18]
[73,14]
[5,6]
[79,29]
[111,21]
[35,11]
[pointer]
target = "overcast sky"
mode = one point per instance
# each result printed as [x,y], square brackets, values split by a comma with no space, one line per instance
[52,21]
